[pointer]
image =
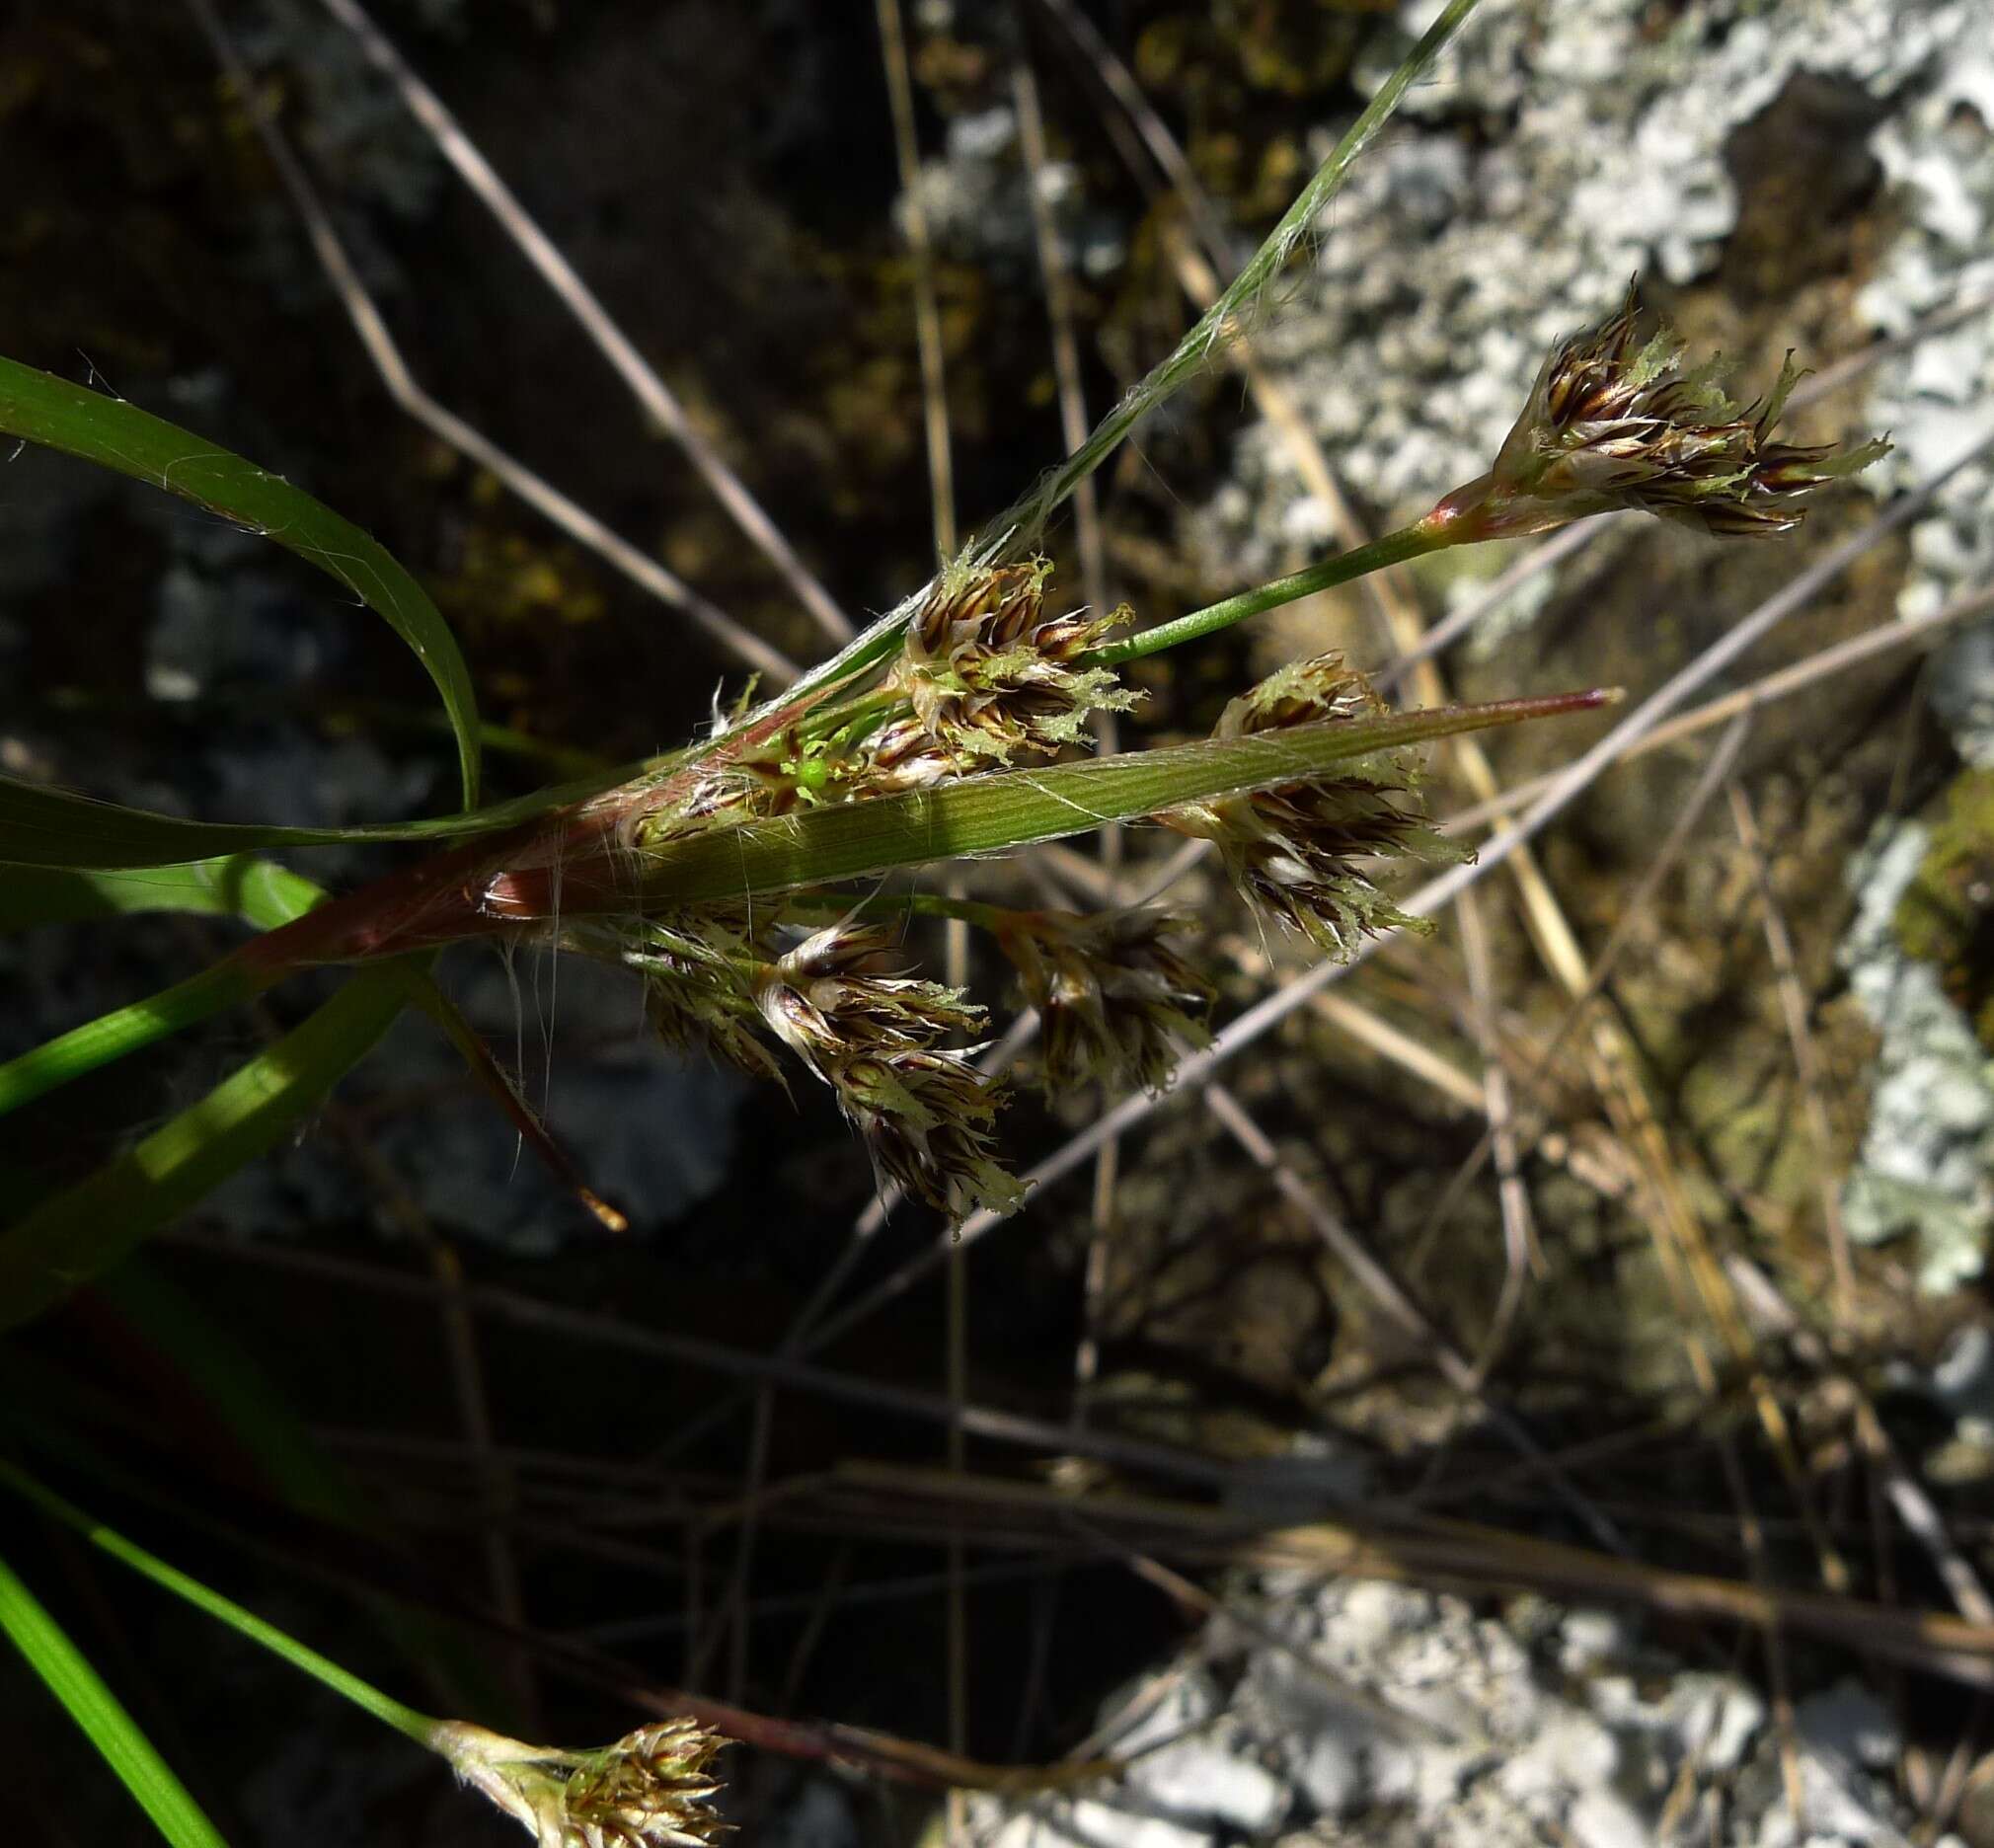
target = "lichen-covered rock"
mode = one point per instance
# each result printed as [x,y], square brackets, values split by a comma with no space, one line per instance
[1557,150]
[1560,150]
[1926,1171]
[1937,150]
[1396,1718]
[1193,1762]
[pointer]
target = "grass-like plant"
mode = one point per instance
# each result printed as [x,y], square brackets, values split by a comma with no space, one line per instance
[741,879]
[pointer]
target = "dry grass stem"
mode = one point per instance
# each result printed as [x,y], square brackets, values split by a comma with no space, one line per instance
[1795,1012]
[646,573]
[657,398]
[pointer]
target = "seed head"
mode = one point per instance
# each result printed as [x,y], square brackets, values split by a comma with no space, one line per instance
[989,674]
[1611,423]
[823,1005]
[1115,1001]
[650,1790]
[905,754]
[1291,849]
[697,990]
[925,1111]
[927,1117]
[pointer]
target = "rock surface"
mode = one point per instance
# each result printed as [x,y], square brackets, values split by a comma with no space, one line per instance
[1396,1717]
[1563,150]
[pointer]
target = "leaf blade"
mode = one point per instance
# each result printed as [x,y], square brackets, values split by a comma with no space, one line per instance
[241,884]
[231,885]
[56,829]
[52,412]
[1019,808]
[72,1236]
[122,1032]
[101,1716]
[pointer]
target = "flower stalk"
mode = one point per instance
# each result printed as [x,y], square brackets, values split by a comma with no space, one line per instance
[1611,424]
[1430,534]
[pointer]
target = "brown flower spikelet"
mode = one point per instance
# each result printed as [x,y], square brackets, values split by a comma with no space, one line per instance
[652,1788]
[1613,424]
[925,1111]
[1115,1001]
[1291,849]
[648,1790]
[696,991]
[989,674]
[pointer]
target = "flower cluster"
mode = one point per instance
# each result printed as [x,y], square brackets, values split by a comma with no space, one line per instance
[649,1788]
[1117,999]
[1117,1003]
[982,673]
[713,984]
[652,1788]
[1293,850]
[925,1111]
[697,995]
[1616,424]
[791,770]
[988,673]
[982,677]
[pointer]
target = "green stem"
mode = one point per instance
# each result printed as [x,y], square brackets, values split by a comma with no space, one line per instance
[1409,542]
[364,1695]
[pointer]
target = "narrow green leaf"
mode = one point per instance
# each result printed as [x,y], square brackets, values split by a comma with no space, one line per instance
[118,435]
[234,886]
[73,1236]
[41,826]
[1240,307]
[1016,807]
[1016,530]
[239,885]
[102,1717]
[123,1032]
[61,1414]
[246,1623]
[170,1324]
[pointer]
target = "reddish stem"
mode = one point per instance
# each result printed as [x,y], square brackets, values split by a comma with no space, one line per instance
[557,865]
